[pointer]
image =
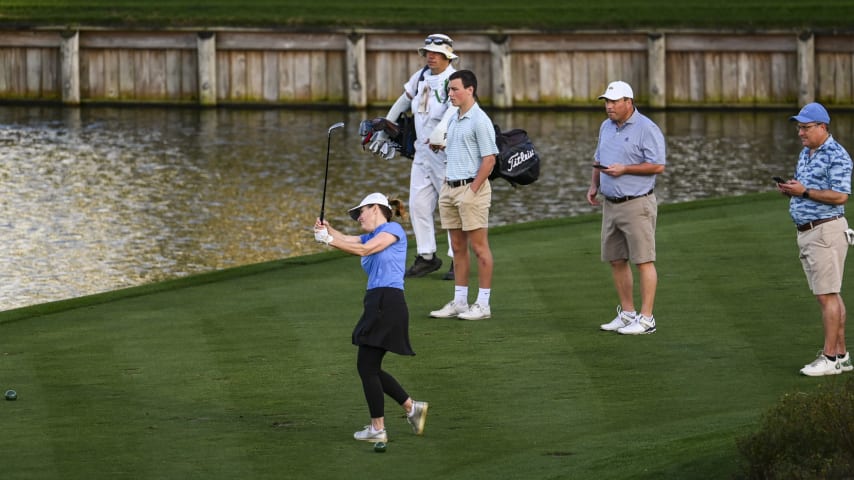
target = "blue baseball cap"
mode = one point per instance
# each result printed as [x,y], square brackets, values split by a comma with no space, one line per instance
[812,112]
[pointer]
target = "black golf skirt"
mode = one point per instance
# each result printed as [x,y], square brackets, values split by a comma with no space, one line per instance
[385,322]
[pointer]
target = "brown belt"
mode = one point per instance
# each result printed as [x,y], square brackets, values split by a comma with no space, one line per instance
[815,223]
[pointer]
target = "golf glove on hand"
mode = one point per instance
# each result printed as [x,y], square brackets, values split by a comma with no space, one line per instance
[323,236]
[849,236]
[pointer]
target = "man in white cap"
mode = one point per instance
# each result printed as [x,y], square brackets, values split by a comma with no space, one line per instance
[817,195]
[629,155]
[426,96]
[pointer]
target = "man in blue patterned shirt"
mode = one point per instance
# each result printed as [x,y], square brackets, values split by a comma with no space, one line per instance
[818,194]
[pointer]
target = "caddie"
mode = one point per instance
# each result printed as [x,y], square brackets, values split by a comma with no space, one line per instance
[425,94]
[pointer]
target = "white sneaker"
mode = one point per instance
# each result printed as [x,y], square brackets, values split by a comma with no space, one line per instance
[845,362]
[822,366]
[450,310]
[642,325]
[476,312]
[623,319]
[368,434]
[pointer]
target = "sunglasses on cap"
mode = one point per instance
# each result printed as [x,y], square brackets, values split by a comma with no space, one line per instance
[437,41]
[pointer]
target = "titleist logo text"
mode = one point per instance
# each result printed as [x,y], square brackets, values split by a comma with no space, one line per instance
[519,158]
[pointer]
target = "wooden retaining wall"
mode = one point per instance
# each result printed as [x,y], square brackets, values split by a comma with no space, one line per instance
[364,68]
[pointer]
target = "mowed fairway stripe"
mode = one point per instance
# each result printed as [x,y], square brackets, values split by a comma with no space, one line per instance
[251,372]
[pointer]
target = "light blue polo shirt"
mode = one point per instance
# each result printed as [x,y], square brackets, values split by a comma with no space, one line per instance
[828,169]
[386,268]
[638,140]
[470,138]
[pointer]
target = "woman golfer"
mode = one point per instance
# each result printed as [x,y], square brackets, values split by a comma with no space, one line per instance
[384,326]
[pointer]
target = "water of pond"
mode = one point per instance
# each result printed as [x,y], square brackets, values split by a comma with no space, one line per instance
[97,198]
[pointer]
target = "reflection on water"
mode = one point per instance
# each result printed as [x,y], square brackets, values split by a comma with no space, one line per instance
[95,199]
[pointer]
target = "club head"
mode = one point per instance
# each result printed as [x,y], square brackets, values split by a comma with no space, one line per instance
[335,127]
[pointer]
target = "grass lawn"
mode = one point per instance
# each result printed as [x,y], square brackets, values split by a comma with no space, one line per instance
[249,373]
[444,15]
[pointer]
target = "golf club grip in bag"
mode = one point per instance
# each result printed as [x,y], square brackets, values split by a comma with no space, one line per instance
[517,160]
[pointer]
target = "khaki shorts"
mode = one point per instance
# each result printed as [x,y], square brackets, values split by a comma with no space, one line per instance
[628,230]
[462,208]
[822,252]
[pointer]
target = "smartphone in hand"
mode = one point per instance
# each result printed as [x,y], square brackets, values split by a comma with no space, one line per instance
[600,167]
[779,179]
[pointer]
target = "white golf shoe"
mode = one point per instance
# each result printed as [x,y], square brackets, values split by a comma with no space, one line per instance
[822,366]
[451,310]
[641,326]
[623,319]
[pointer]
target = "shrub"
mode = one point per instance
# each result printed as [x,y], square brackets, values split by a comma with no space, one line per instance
[805,436]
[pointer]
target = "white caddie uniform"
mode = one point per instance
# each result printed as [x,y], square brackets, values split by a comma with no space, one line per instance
[428,105]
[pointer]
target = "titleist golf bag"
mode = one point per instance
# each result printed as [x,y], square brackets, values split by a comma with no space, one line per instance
[517,160]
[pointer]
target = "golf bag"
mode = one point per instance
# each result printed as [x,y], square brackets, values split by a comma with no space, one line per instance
[405,140]
[517,160]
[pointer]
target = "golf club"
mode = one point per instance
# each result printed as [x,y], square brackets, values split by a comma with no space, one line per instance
[326,174]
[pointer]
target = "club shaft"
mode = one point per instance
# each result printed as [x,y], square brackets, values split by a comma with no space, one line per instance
[326,171]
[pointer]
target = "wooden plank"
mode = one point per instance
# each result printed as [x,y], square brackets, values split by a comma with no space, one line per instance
[781,75]
[50,73]
[761,77]
[157,75]
[142,65]
[189,75]
[839,43]
[825,73]
[677,77]
[148,40]
[270,76]
[30,39]
[254,75]
[696,77]
[712,81]
[302,76]
[32,86]
[5,70]
[223,75]
[677,42]
[842,76]
[172,75]
[580,43]
[111,74]
[336,76]
[581,78]
[287,89]
[95,77]
[280,41]
[237,66]
[127,74]
[564,88]
[84,75]
[745,77]
[597,79]
[530,78]
[729,77]
[317,76]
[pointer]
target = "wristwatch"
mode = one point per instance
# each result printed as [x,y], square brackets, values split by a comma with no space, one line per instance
[806,193]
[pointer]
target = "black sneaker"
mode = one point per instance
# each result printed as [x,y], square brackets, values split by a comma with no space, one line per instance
[449,275]
[422,267]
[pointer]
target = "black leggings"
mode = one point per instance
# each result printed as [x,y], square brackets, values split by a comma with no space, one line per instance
[375,381]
